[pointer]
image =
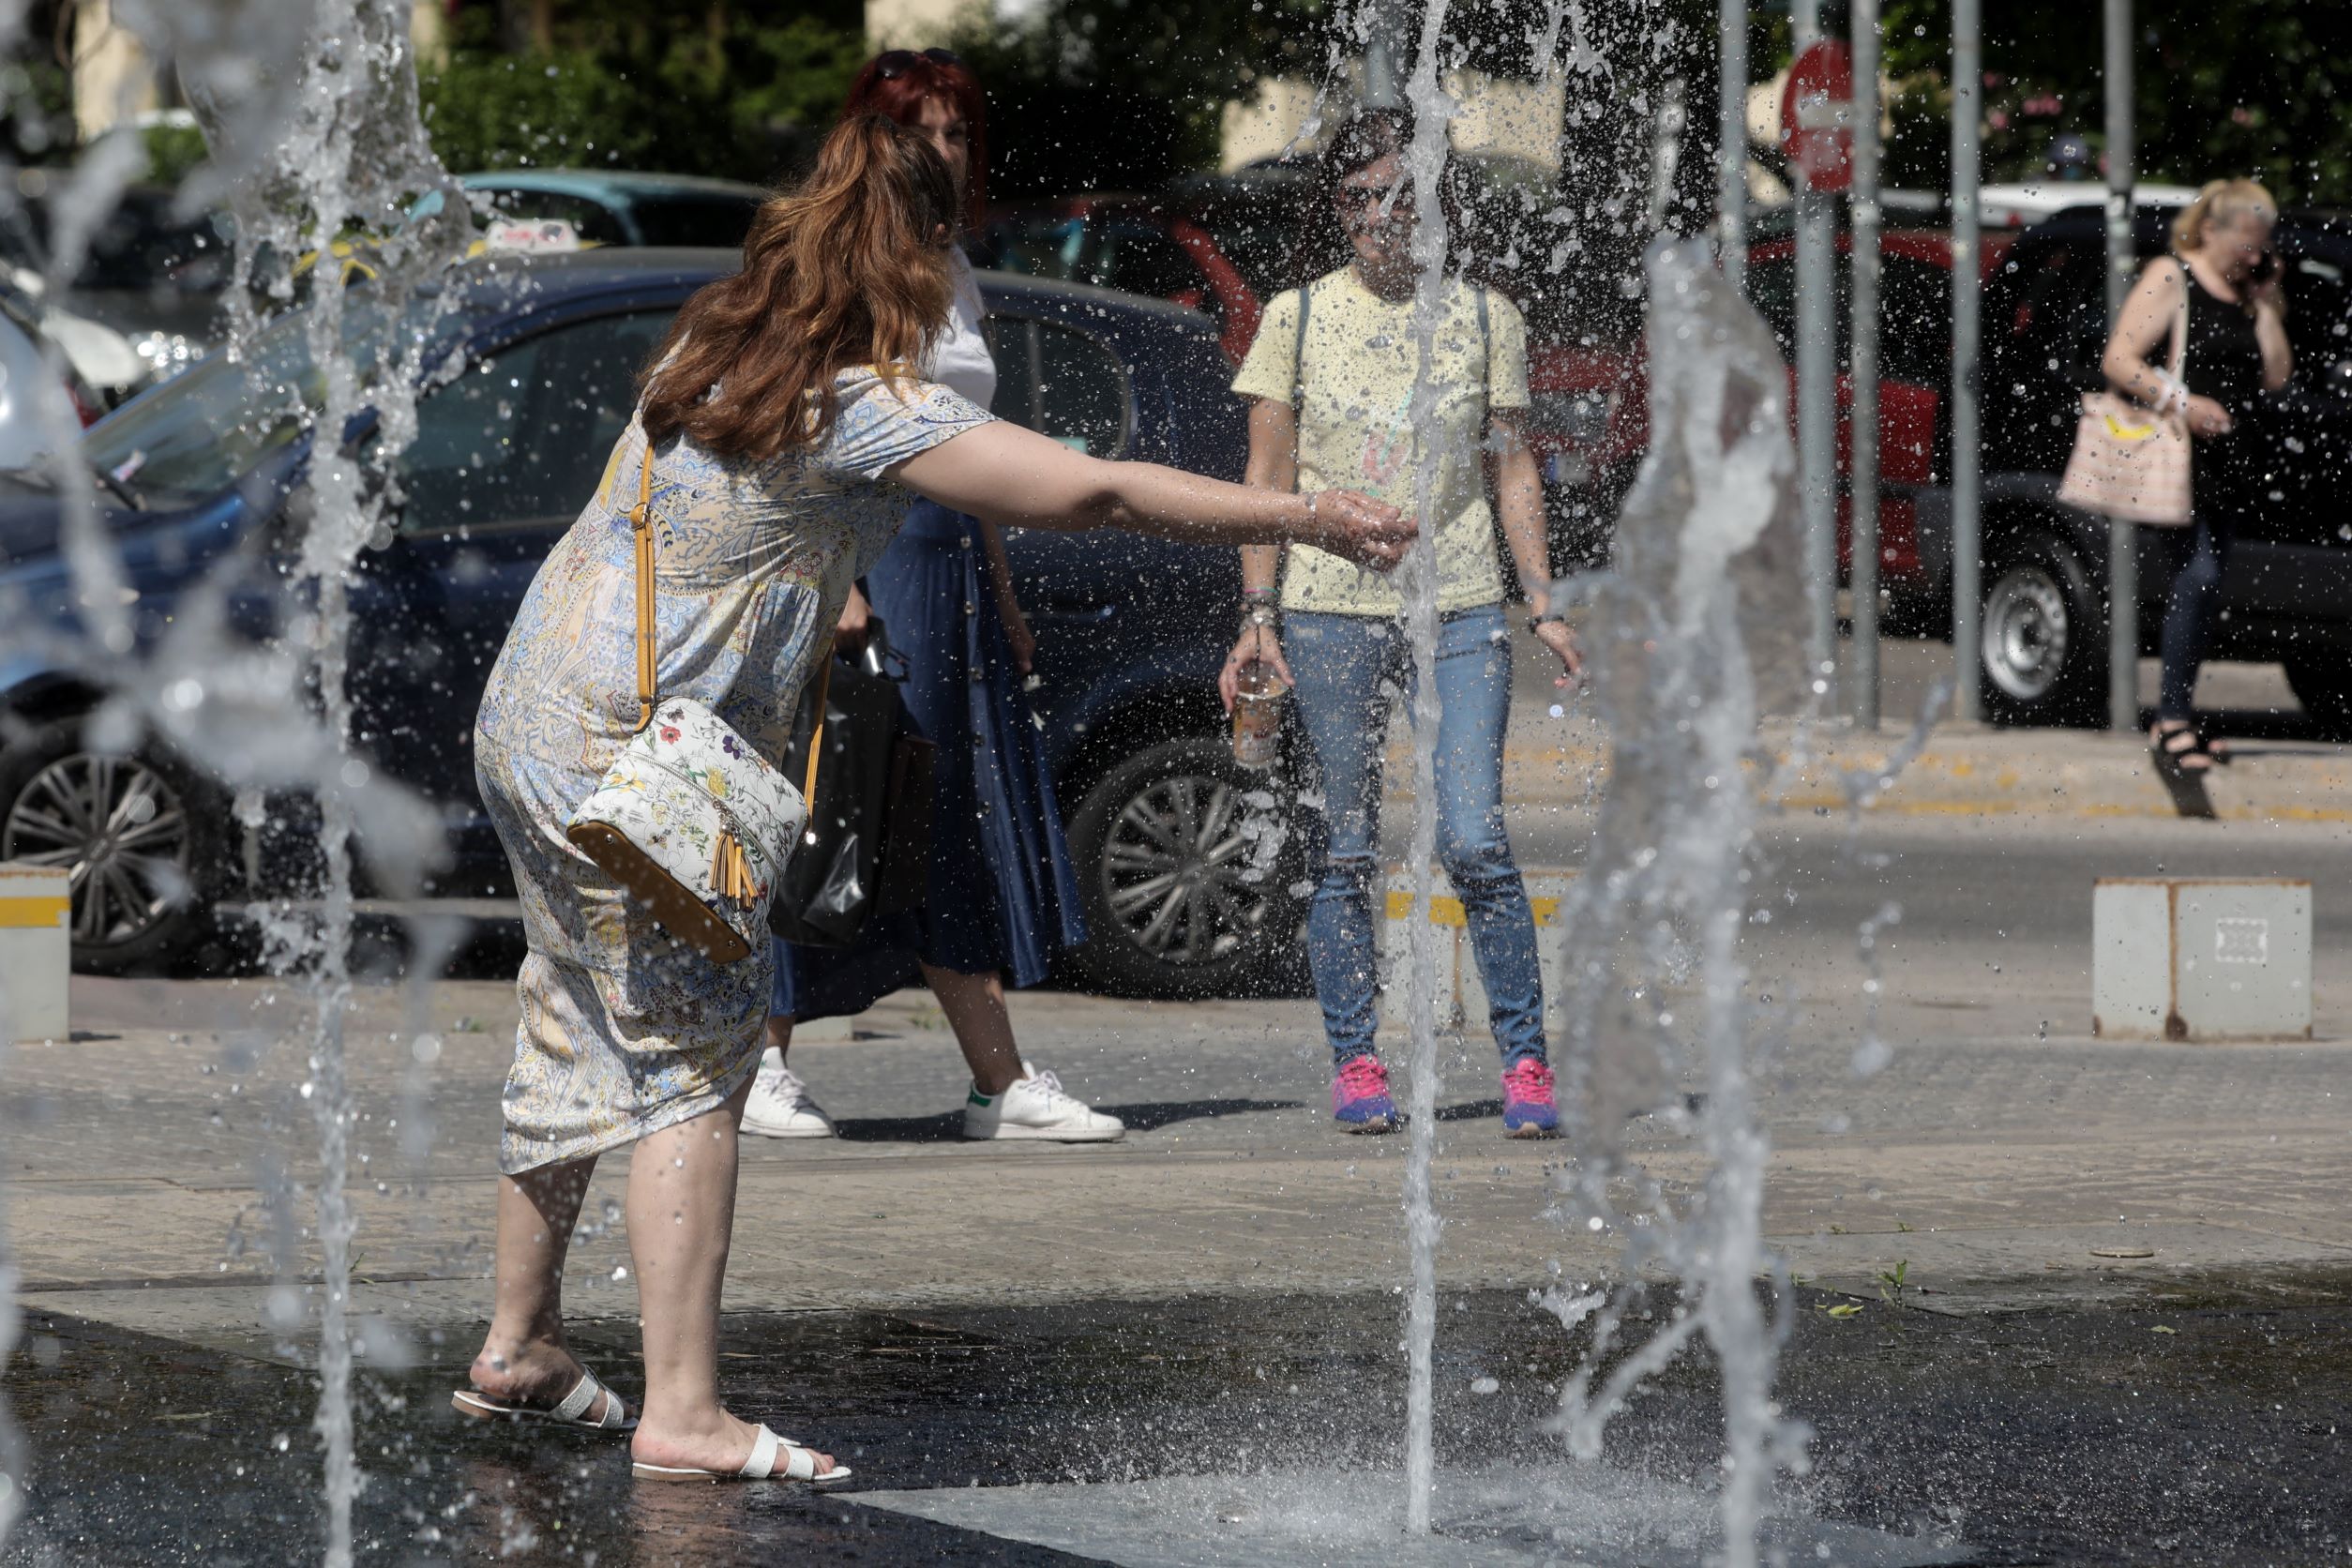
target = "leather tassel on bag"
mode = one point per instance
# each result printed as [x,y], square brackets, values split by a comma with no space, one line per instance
[730,873]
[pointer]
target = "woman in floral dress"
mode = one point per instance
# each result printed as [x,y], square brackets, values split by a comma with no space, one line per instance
[783,422]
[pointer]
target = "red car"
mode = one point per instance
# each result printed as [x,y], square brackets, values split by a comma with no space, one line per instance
[1591,399]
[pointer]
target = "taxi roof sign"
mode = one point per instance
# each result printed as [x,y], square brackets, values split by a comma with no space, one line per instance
[514,234]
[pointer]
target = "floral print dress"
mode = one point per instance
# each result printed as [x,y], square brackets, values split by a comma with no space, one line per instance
[625,1031]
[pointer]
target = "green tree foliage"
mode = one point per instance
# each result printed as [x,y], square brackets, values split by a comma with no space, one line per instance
[1108,94]
[712,91]
[2224,87]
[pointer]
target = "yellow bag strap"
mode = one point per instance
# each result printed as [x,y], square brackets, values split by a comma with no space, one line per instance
[817,735]
[641,524]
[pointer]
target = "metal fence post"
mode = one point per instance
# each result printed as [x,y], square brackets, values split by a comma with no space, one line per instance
[2123,567]
[1731,154]
[1968,496]
[1864,488]
[1816,393]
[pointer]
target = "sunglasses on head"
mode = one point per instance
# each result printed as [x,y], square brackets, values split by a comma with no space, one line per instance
[895,63]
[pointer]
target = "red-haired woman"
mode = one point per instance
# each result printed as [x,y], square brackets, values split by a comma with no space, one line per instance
[783,423]
[1002,895]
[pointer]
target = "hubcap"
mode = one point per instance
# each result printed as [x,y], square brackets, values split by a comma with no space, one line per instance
[2026,631]
[1172,870]
[119,831]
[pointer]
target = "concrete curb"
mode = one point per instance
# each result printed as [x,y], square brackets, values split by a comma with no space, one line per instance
[1972,770]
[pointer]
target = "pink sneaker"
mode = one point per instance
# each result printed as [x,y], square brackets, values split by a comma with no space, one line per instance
[1527,1111]
[1358,1096]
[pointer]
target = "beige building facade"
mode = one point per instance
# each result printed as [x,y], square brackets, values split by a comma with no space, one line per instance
[1496,115]
[115,83]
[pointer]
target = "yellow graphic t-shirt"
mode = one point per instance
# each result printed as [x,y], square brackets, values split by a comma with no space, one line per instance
[1356,431]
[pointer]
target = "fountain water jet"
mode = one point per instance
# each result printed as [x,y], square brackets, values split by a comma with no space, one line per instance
[312,123]
[1691,643]
[1433,112]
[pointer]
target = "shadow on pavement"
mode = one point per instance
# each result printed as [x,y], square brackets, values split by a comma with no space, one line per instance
[1144,1118]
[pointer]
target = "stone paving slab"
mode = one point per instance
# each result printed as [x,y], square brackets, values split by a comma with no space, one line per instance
[1995,1146]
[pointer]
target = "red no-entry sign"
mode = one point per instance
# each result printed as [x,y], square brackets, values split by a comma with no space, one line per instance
[1817,115]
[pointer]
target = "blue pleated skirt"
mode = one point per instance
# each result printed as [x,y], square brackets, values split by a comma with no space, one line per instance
[1001,893]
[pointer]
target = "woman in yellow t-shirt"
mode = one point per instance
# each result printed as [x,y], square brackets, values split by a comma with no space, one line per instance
[1333,374]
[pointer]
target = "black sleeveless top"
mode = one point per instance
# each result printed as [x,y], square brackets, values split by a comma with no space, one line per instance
[2225,364]
[2225,356]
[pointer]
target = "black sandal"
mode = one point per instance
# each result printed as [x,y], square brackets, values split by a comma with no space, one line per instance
[2219,751]
[2179,750]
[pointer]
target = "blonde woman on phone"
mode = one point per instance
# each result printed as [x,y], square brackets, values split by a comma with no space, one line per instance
[2223,257]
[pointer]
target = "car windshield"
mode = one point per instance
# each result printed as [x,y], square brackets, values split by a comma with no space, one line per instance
[202,431]
[719,221]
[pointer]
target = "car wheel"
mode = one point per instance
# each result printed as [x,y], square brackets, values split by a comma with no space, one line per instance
[132,831]
[2323,684]
[2041,653]
[1163,854]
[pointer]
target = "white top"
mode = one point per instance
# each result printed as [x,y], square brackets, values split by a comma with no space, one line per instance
[960,359]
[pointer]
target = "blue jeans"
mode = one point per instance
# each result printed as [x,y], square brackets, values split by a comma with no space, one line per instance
[1342,663]
[2196,558]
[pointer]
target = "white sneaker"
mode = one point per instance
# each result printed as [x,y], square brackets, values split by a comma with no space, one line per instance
[779,1106]
[1035,1107]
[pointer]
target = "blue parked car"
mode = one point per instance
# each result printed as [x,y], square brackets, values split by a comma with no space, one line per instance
[624,207]
[1131,631]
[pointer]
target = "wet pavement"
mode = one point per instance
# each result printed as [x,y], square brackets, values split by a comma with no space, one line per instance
[2200,1427]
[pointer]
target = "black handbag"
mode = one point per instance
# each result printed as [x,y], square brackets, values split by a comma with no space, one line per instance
[868,842]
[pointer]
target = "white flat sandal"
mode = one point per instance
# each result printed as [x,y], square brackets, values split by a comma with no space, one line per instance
[800,1464]
[572,1411]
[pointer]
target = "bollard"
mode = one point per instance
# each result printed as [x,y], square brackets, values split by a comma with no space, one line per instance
[2200,958]
[1461,995]
[36,949]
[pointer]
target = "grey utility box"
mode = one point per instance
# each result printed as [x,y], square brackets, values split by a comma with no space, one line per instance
[2201,958]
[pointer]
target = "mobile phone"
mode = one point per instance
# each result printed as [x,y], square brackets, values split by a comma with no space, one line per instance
[2267,268]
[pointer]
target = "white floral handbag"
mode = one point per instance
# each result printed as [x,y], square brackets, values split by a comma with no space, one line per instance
[690,819]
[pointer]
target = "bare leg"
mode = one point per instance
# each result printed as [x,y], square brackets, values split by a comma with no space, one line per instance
[975,1005]
[779,1034]
[682,1212]
[523,1360]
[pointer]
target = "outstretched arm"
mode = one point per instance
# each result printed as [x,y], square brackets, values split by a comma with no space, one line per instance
[1016,479]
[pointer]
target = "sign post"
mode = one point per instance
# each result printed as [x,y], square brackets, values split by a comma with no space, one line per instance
[1731,152]
[2123,538]
[1967,473]
[1816,126]
[1862,505]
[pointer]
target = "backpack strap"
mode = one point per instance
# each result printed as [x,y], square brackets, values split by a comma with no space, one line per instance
[1485,346]
[1297,357]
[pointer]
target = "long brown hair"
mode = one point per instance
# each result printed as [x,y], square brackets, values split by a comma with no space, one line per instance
[849,268]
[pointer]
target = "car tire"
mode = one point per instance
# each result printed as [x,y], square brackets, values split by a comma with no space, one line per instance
[1159,851]
[2042,654]
[138,832]
[2323,684]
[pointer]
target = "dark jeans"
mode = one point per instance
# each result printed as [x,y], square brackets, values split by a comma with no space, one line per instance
[2194,559]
